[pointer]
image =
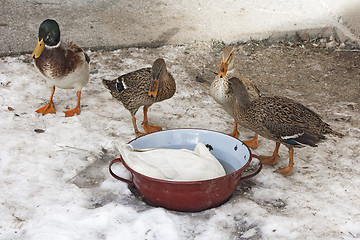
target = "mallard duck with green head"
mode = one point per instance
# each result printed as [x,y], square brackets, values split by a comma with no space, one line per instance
[62,64]
[279,119]
[143,87]
[219,89]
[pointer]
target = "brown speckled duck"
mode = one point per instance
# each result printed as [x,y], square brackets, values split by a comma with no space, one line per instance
[143,87]
[63,65]
[279,119]
[219,89]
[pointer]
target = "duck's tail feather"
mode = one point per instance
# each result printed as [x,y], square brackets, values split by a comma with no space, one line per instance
[337,134]
[116,85]
[302,139]
[87,58]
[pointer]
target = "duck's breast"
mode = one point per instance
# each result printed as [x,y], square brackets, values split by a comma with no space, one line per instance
[63,68]
[74,80]
[219,91]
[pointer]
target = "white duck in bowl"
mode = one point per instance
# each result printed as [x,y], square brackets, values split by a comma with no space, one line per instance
[173,164]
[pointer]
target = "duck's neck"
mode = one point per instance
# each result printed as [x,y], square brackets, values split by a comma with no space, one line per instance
[52,47]
[165,78]
[232,72]
[240,109]
[167,82]
[242,96]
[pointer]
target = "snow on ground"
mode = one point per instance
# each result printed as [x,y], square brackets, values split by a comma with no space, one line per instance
[55,184]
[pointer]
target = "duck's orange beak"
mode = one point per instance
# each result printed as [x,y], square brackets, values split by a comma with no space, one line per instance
[38,49]
[223,69]
[154,88]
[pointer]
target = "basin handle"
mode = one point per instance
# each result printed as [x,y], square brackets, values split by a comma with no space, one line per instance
[116,176]
[254,173]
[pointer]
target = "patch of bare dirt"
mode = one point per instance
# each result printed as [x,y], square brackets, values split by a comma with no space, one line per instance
[323,69]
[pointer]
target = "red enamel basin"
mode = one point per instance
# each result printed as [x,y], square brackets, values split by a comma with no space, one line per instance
[191,196]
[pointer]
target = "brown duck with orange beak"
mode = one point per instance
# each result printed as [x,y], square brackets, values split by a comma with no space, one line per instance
[63,65]
[143,87]
[279,119]
[222,93]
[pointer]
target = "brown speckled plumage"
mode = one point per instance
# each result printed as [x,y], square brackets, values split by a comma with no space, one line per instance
[137,85]
[278,118]
[220,90]
[132,89]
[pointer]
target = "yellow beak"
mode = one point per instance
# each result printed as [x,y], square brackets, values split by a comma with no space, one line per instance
[38,49]
[223,69]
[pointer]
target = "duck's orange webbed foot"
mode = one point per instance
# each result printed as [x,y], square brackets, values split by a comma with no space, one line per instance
[139,134]
[285,171]
[72,112]
[147,127]
[268,160]
[151,128]
[253,143]
[234,134]
[271,160]
[48,108]
[76,110]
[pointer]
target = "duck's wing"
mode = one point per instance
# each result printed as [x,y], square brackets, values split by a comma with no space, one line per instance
[73,47]
[133,83]
[251,88]
[289,122]
[136,78]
